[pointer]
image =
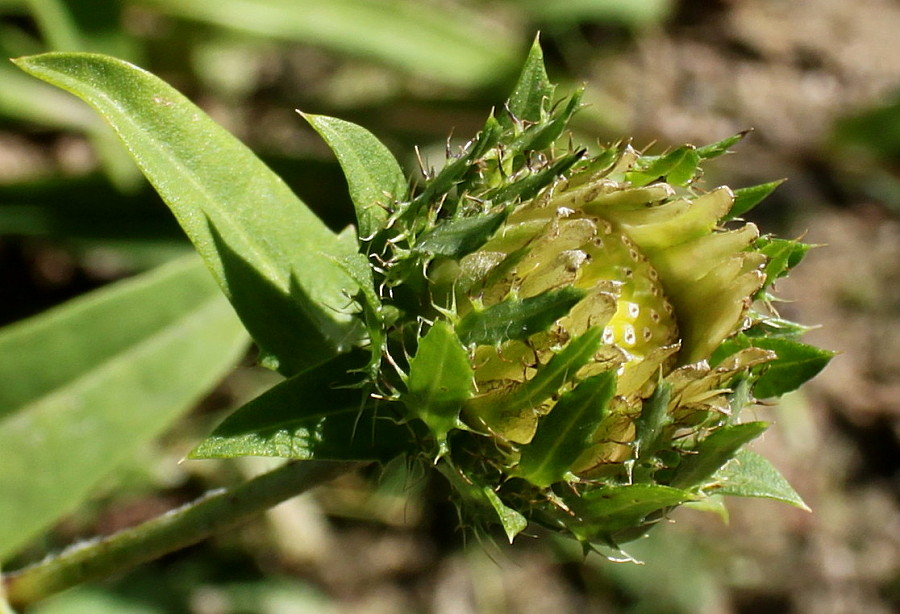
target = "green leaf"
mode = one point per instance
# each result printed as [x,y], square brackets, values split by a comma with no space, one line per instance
[271,255]
[360,270]
[516,318]
[714,150]
[532,183]
[560,369]
[613,508]
[772,328]
[533,92]
[373,174]
[564,433]
[454,46]
[746,199]
[56,24]
[452,174]
[650,424]
[482,502]
[315,415]
[713,452]
[440,381]
[86,383]
[456,238]
[678,167]
[545,132]
[512,521]
[750,475]
[796,363]
[782,254]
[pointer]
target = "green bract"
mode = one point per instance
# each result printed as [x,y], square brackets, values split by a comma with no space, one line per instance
[568,337]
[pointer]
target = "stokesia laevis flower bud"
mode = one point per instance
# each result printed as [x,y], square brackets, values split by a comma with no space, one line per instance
[570,338]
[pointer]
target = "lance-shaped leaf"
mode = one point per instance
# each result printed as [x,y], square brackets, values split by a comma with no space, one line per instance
[86,383]
[651,423]
[533,92]
[456,238]
[373,175]
[714,150]
[750,475]
[440,381]
[564,433]
[795,363]
[609,509]
[224,198]
[747,198]
[714,451]
[316,415]
[782,254]
[561,368]
[516,318]
[678,167]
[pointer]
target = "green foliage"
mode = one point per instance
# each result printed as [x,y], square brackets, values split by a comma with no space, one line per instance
[750,475]
[440,381]
[566,432]
[795,364]
[710,454]
[87,383]
[313,415]
[516,318]
[275,268]
[376,180]
[534,321]
[446,46]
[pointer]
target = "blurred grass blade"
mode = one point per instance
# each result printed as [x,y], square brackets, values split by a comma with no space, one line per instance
[625,12]
[56,24]
[454,46]
[270,254]
[86,383]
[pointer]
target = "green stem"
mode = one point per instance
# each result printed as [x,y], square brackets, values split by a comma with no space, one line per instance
[212,513]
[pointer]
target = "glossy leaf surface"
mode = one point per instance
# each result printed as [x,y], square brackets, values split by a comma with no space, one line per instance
[533,92]
[614,508]
[795,364]
[714,451]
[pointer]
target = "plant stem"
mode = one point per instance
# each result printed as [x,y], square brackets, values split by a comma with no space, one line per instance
[214,512]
